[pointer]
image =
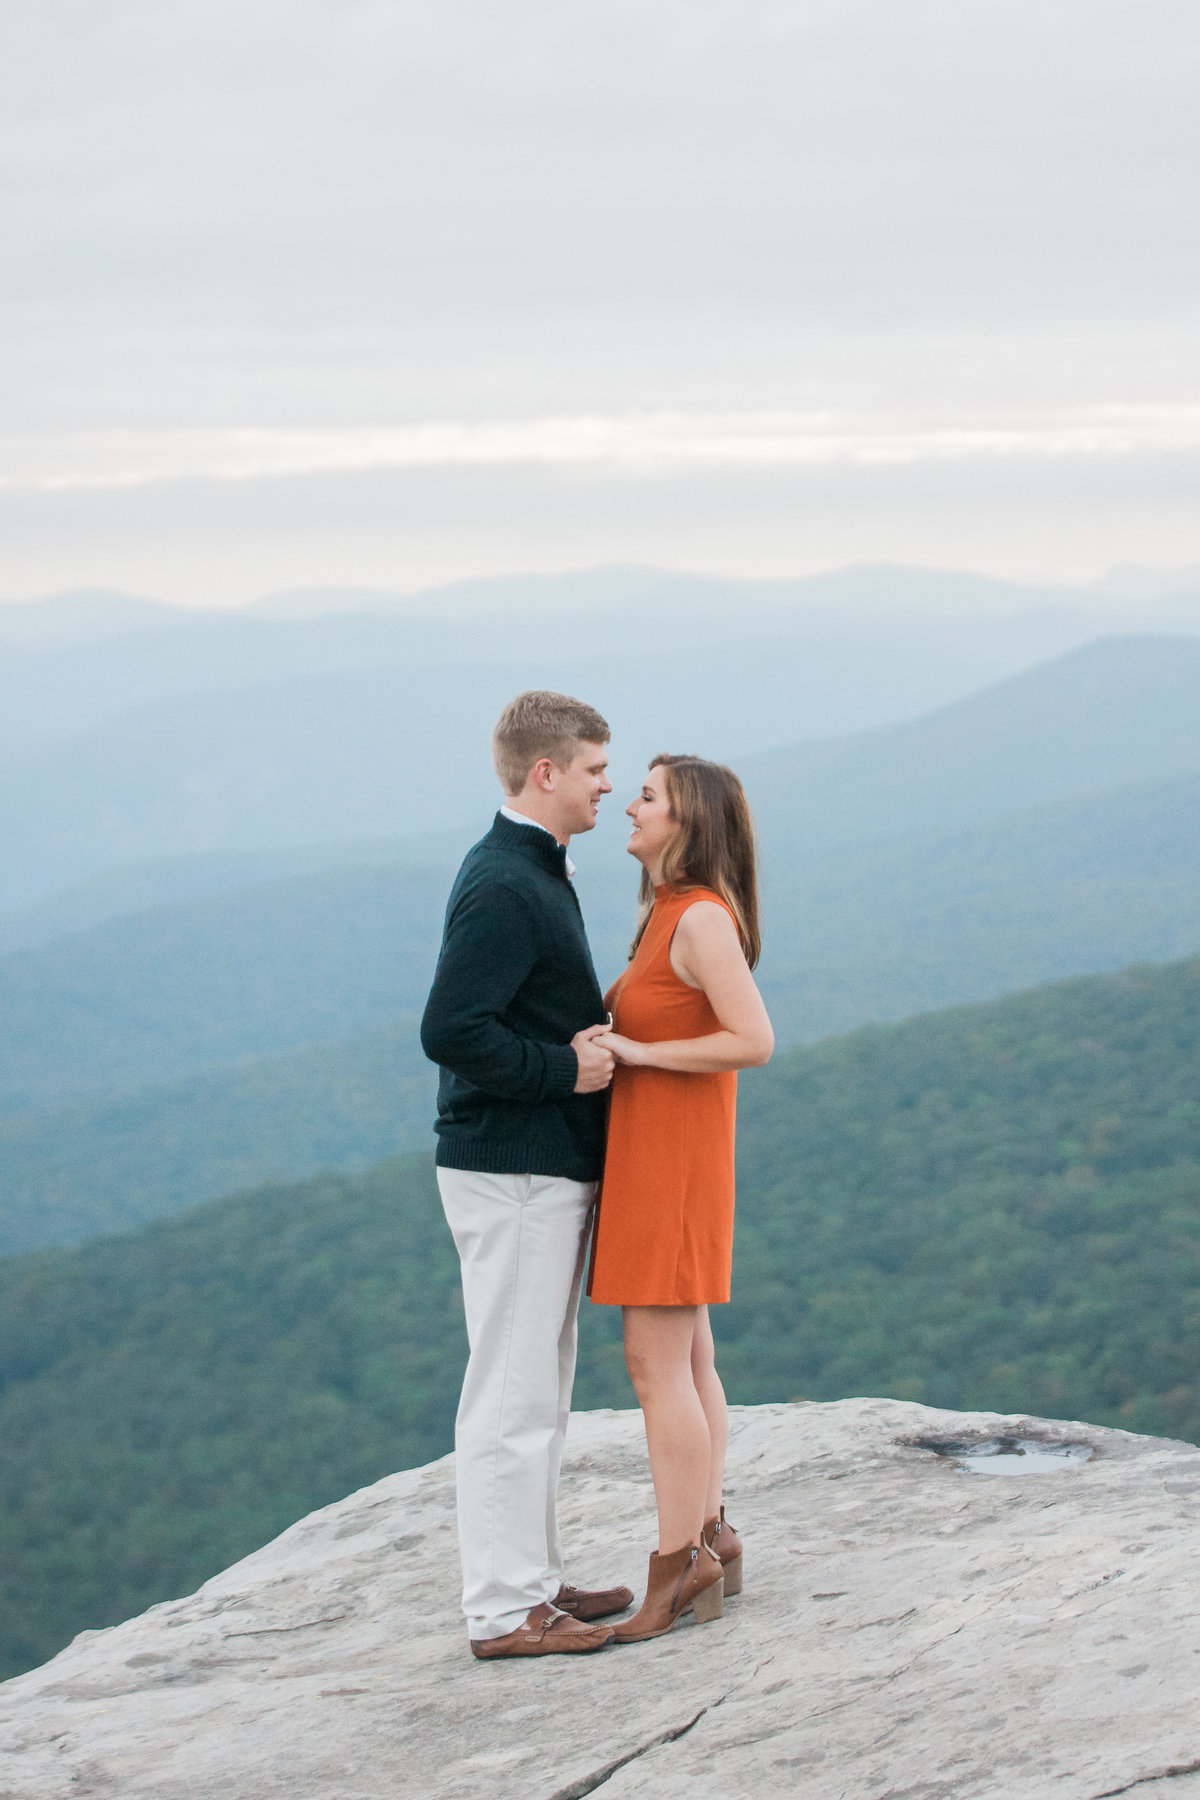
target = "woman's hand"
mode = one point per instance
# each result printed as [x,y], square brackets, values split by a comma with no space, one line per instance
[626,1050]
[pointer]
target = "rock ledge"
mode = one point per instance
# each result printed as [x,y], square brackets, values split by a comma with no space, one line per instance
[908,1632]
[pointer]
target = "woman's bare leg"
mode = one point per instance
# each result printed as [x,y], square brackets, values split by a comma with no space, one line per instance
[658,1355]
[712,1399]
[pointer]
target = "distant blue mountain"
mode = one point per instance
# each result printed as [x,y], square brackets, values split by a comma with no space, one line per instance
[171,880]
[939,860]
[1119,710]
[147,1059]
[386,751]
[211,733]
[81,616]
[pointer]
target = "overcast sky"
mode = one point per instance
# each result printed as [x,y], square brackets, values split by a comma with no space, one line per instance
[387,294]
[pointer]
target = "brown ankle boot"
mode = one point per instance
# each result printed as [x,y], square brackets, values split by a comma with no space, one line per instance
[726,1545]
[687,1580]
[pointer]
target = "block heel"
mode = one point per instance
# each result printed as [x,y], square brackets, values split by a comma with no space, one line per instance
[709,1602]
[725,1544]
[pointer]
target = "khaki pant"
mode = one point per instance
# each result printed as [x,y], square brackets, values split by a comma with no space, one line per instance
[522,1244]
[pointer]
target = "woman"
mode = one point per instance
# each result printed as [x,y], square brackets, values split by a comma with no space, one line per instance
[686,1016]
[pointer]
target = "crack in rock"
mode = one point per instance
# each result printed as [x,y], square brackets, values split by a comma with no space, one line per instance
[280,1630]
[1168,1774]
[587,1784]
[1090,1587]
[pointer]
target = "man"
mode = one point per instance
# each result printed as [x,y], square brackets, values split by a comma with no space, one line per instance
[512,1020]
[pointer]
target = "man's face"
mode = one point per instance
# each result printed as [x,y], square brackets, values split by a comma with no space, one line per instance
[581,786]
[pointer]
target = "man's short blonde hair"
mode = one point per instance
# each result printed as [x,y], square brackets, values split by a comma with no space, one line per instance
[537,724]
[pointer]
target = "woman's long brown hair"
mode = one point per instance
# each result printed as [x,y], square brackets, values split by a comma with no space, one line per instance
[714,847]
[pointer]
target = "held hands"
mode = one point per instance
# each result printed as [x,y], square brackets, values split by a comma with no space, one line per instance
[625,1050]
[596,1062]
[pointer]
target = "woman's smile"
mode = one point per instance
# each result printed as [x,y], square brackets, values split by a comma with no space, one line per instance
[652,823]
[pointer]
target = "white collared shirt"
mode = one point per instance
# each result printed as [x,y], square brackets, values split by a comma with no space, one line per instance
[520,819]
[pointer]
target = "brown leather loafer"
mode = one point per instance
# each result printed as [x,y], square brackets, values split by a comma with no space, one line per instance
[592,1603]
[546,1632]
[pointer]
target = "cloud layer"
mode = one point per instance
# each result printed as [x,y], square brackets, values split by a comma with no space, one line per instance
[628,444]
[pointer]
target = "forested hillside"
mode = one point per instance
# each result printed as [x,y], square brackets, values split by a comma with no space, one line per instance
[997,1206]
[171,1400]
[103,1166]
[192,987]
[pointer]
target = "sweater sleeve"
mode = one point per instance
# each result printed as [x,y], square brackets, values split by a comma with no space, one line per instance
[489,948]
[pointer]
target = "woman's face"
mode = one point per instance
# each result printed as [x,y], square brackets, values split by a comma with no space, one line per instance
[653,826]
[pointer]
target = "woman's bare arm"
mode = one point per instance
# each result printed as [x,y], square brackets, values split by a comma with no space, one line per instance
[707,953]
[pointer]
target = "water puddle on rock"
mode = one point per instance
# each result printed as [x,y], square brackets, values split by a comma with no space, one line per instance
[1008,1455]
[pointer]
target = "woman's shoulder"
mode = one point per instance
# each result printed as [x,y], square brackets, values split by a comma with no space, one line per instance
[703,914]
[699,896]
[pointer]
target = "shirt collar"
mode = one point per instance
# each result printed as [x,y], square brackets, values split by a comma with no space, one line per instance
[520,819]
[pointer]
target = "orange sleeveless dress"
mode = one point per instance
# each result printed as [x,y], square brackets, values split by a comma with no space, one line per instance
[664,1230]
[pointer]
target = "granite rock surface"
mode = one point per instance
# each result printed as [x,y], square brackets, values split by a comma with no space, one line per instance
[908,1631]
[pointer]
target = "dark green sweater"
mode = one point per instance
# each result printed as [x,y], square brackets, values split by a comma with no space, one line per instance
[514,983]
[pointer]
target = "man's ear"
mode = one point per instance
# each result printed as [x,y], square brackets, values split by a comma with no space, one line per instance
[541,774]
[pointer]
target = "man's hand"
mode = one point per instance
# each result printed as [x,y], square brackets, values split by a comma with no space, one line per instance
[595,1064]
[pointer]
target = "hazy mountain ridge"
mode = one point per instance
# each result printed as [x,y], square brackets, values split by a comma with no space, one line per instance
[79,616]
[234,733]
[339,757]
[1074,887]
[1115,711]
[52,691]
[386,751]
[143,1017]
[139,888]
